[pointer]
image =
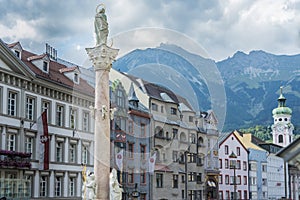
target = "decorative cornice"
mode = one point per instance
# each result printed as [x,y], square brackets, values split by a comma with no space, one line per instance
[102,56]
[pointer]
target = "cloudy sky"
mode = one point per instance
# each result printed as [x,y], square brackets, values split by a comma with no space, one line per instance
[219,28]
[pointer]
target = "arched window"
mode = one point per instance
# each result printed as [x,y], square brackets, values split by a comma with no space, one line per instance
[182,137]
[280,138]
[200,141]
[159,132]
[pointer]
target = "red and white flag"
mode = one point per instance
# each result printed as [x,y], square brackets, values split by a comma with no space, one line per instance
[152,160]
[43,141]
[119,160]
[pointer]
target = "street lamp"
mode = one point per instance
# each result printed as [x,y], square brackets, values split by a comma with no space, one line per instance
[233,166]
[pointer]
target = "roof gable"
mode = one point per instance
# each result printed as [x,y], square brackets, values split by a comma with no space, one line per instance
[10,62]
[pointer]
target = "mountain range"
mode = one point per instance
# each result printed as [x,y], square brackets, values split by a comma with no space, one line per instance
[242,89]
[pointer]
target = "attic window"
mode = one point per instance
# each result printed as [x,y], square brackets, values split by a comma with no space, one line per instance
[17,53]
[76,78]
[45,66]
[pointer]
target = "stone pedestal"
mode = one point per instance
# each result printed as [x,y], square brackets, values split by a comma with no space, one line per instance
[102,57]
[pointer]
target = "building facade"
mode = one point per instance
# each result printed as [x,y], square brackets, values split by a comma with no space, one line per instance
[29,85]
[233,164]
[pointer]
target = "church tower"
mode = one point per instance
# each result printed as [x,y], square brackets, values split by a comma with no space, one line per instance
[282,128]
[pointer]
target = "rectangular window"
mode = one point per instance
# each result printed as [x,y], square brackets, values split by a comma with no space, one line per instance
[173,111]
[130,176]
[238,151]
[120,99]
[72,184]
[12,103]
[73,118]
[84,154]
[238,180]
[227,195]
[130,150]
[199,178]
[252,167]
[143,130]
[59,115]
[86,121]
[245,180]
[154,107]
[44,186]
[264,182]
[59,151]
[245,194]
[143,152]
[264,167]
[159,180]
[29,142]
[175,133]
[227,179]
[72,153]
[46,106]
[220,179]
[30,108]
[226,164]
[175,156]
[192,176]
[76,78]
[253,180]
[244,165]
[143,177]
[143,197]
[175,181]
[130,127]
[58,185]
[238,164]
[11,142]
[193,138]
[221,195]
[226,150]
[162,109]
[220,163]
[191,118]
[45,66]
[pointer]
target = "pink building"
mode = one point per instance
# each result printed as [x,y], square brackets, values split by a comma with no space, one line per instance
[233,160]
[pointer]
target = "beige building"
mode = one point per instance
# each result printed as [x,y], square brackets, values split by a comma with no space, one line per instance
[185,143]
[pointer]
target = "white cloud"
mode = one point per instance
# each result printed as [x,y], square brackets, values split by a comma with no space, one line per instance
[221,27]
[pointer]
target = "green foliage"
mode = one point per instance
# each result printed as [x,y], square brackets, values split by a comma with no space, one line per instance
[260,131]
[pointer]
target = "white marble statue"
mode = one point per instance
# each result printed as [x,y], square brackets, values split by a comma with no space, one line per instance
[114,186]
[101,25]
[89,186]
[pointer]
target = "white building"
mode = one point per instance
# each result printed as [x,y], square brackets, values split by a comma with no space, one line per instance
[282,129]
[229,144]
[29,85]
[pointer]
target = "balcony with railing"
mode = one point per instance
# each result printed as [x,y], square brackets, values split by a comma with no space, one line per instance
[14,159]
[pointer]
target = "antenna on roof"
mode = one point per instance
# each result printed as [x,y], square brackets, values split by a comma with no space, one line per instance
[51,52]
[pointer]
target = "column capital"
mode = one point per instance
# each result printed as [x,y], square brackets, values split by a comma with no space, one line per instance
[102,56]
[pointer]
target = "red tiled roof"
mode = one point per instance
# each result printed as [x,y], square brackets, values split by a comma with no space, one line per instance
[54,74]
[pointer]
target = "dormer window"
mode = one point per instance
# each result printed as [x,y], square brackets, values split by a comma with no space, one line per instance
[17,53]
[45,66]
[76,78]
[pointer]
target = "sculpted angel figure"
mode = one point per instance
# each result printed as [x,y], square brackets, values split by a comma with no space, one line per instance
[101,26]
[114,186]
[89,187]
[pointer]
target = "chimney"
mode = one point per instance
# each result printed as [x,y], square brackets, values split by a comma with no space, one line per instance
[51,52]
